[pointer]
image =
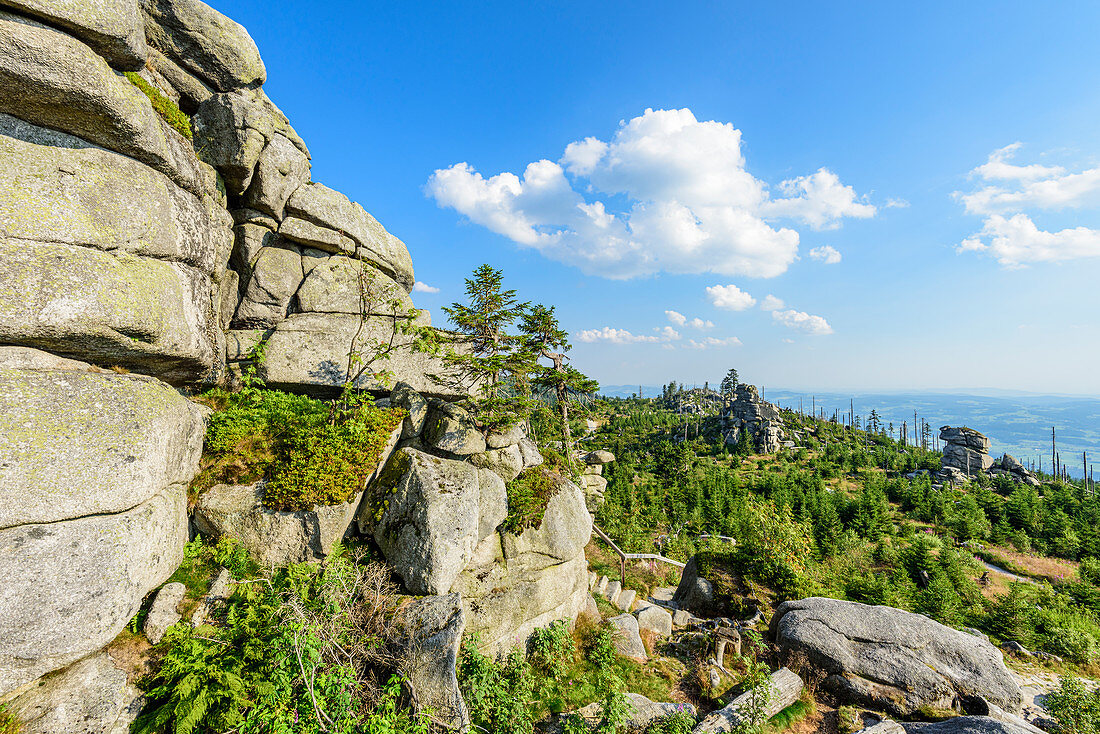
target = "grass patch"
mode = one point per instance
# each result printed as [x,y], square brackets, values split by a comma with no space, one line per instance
[309,455]
[9,724]
[790,716]
[164,107]
[528,495]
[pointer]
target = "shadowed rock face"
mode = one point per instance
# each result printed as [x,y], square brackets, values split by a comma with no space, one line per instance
[893,659]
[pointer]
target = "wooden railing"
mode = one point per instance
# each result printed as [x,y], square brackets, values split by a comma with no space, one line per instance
[624,556]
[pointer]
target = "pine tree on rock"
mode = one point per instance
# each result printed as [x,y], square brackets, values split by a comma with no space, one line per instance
[729,382]
[544,339]
[492,366]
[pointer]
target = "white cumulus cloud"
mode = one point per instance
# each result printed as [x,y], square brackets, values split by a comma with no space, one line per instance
[666,193]
[1010,191]
[676,317]
[771,303]
[826,254]
[729,297]
[421,287]
[802,321]
[713,341]
[612,335]
[679,319]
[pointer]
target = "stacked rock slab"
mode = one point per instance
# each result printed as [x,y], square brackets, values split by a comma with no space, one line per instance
[592,479]
[759,419]
[436,512]
[966,450]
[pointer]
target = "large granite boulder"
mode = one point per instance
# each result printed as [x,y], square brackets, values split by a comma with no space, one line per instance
[404,396]
[233,129]
[207,43]
[562,534]
[452,429]
[437,624]
[58,189]
[643,712]
[281,168]
[308,352]
[343,285]
[272,537]
[893,659]
[147,315]
[695,593]
[507,462]
[423,514]
[51,79]
[628,641]
[77,442]
[321,205]
[68,588]
[113,28]
[276,274]
[965,449]
[91,696]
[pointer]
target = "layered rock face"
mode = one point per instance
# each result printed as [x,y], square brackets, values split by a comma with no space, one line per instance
[139,256]
[760,419]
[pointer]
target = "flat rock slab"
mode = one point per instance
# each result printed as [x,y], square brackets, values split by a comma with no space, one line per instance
[628,641]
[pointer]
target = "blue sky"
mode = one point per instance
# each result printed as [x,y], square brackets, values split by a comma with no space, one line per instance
[775,129]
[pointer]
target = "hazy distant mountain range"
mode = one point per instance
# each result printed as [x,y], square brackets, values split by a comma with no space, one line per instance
[1016,422]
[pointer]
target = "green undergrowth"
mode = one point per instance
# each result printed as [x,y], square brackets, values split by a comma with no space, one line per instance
[788,717]
[528,495]
[309,452]
[299,651]
[563,671]
[164,107]
[9,724]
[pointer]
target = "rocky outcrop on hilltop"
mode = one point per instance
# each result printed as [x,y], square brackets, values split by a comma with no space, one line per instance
[747,413]
[966,454]
[146,249]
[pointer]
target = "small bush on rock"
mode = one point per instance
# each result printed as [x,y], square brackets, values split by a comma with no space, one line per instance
[528,496]
[166,108]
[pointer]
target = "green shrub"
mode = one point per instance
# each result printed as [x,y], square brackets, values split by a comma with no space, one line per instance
[164,107]
[324,462]
[1089,570]
[1075,707]
[9,724]
[310,454]
[528,495]
[498,695]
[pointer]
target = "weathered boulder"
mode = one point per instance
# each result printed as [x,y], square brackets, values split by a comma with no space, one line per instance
[625,601]
[643,712]
[163,614]
[343,285]
[694,593]
[68,588]
[427,527]
[281,168]
[77,443]
[309,352]
[968,725]
[39,83]
[599,457]
[966,450]
[91,696]
[232,129]
[507,462]
[893,659]
[321,238]
[493,505]
[564,531]
[192,91]
[321,205]
[747,414]
[276,275]
[452,429]
[505,601]
[612,590]
[655,619]
[784,688]
[591,609]
[529,450]
[142,314]
[58,189]
[628,641]
[113,28]
[272,537]
[437,624]
[207,43]
[508,437]
[404,396]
